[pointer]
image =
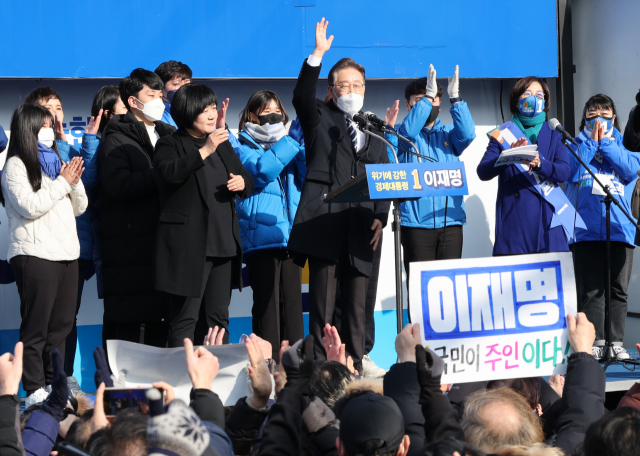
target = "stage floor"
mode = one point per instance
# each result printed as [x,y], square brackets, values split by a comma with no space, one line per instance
[621,378]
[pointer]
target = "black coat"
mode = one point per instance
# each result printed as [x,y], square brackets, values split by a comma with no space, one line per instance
[181,241]
[129,205]
[321,229]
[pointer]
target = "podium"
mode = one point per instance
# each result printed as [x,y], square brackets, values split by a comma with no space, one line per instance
[400,182]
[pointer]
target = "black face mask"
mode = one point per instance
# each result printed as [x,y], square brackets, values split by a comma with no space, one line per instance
[435,110]
[272,119]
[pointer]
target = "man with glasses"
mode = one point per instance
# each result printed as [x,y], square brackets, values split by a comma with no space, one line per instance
[338,239]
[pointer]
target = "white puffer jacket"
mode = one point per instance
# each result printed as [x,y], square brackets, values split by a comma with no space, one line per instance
[42,223]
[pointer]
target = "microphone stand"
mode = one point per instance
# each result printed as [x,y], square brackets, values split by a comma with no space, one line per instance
[610,354]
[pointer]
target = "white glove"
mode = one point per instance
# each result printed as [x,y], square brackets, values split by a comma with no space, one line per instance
[454,84]
[432,85]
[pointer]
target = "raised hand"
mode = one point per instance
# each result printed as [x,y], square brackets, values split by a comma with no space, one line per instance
[281,375]
[56,402]
[453,89]
[222,114]
[59,129]
[99,419]
[582,333]
[202,365]
[323,44]
[406,342]
[94,124]
[432,85]
[11,371]
[392,113]
[102,369]
[235,183]
[216,138]
[215,336]
[264,346]
[259,374]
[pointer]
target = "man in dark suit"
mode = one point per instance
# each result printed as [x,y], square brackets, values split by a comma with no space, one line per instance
[338,239]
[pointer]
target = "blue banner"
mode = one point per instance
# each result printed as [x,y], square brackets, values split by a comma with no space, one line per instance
[415,180]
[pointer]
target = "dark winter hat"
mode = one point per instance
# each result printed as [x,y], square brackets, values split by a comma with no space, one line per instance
[371,417]
[178,432]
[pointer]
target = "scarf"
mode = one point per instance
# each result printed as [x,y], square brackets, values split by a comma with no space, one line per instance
[49,161]
[266,135]
[530,126]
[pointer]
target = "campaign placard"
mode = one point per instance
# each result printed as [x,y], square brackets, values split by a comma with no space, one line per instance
[496,318]
[414,180]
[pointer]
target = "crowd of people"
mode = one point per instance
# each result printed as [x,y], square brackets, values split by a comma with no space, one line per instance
[165,204]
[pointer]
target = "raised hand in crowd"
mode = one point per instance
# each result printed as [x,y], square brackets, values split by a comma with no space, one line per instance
[235,183]
[213,141]
[222,114]
[259,374]
[335,349]
[264,346]
[56,402]
[215,336]
[167,390]
[557,383]
[281,375]
[392,113]
[453,89]
[11,371]
[406,342]
[202,365]
[59,129]
[298,361]
[323,44]
[582,333]
[102,374]
[99,419]
[94,124]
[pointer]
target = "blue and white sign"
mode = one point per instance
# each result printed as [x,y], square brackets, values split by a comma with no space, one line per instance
[415,180]
[499,317]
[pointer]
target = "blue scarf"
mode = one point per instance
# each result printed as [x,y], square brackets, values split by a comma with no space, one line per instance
[49,161]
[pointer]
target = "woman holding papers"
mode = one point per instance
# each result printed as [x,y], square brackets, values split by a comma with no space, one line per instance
[532,212]
[601,149]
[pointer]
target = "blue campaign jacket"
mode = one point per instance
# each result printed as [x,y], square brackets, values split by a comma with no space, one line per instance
[266,217]
[614,160]
[3,139]
[523,217]
[443,142]
[89,178]
[40,434]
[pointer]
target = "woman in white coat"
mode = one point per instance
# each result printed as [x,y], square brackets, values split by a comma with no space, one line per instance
[42,196]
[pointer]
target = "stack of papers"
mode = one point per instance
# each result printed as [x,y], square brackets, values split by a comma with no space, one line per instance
[517,154]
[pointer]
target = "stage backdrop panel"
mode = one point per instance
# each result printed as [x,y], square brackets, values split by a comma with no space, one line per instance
[270,38]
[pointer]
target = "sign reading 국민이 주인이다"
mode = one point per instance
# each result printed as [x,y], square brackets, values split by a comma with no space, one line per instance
[496,318]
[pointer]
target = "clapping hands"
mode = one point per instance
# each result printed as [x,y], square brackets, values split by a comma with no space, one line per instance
[71,171]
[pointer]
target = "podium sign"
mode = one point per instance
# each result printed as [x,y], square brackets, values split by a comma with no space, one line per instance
[415,180]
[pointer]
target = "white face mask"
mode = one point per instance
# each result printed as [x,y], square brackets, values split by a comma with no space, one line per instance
[152,110]
[46,136]
[350,103]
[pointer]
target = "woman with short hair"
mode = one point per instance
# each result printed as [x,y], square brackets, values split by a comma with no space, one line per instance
[525,216]
[198,253]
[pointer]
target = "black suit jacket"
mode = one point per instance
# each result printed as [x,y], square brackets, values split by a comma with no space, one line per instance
[325,229]
[181,236]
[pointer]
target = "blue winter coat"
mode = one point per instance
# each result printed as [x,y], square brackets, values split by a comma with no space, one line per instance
[40,433]
[3,139]
[89,178]
[266,217]
[523,217]
[443,142]
[614,160]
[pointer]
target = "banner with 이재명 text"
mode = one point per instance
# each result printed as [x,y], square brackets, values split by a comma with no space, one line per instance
[495,318]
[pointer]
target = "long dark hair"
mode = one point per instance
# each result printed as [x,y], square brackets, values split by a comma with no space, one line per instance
[26,123]
[105,99]
[599,101]
[259,101]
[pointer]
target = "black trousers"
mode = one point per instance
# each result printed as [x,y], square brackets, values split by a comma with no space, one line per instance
[72,338]
[588,260]
[48,294]
[420,244]
[369,304]
[277,297]
[324,278]
[215,296]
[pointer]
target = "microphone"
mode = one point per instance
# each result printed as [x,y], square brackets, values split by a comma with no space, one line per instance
[375,120]
[555,125]
[361,120]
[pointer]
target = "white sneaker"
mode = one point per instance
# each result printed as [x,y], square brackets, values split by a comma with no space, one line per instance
[37,397]
[621,353]
[371,369]
[598,352]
